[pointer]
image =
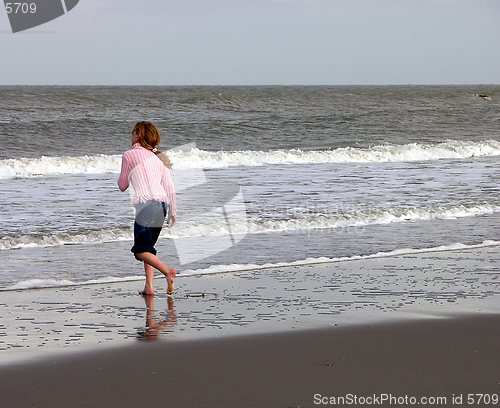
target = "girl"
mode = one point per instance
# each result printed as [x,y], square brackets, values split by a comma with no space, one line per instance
[147,170]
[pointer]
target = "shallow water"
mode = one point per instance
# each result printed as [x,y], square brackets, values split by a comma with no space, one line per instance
[266,175]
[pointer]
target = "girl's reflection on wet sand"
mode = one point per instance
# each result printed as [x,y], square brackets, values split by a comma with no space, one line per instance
[154,327]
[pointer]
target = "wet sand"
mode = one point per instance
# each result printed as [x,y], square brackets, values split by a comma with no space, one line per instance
[419,325]
[36,323]
[422,358]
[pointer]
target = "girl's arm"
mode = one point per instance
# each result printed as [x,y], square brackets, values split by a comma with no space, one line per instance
[168,185]
[123,179]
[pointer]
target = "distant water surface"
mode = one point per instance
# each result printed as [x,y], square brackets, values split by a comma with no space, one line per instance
[324,172]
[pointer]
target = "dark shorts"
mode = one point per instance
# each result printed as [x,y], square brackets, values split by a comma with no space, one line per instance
[149,219]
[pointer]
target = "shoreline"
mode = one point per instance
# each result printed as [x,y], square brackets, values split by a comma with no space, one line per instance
[417,325]
[18,287]
[44,322]
[428,357]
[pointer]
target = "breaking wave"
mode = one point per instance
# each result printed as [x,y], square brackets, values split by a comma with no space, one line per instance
[196,158]
[300,221]
[220,269]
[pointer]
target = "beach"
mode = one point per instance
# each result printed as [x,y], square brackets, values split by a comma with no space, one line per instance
[320,177]
[331,241]
[456,357]
[411,325]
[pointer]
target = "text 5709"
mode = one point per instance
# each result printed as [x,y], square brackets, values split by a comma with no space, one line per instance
[20,8]
[483,399]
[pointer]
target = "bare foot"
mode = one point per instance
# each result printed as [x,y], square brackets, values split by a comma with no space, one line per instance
[170,280]
[148,291]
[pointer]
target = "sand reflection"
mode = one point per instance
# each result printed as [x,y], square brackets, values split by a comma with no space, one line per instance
[154,327]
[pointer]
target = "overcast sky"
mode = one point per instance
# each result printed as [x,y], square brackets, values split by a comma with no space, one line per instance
[224,42]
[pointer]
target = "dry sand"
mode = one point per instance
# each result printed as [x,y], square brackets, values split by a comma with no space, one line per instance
[420,325]
[422,358]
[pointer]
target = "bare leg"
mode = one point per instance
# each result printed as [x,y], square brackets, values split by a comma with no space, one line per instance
[154,261]
[149,287]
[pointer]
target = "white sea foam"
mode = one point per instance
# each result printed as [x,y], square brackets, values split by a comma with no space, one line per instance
[46,166]
[233,268]
[65,238]
[302,222]
[196,158]
[217,269]
[57,283]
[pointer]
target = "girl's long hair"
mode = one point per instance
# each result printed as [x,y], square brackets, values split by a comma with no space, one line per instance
[149,138]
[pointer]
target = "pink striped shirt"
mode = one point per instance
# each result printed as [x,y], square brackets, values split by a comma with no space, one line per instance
[149,177]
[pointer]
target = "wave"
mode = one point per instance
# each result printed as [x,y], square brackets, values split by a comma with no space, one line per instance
[218,269]
[58,283]
[47,166]
[66,238]
[233,268]
[196,158]
[308,220]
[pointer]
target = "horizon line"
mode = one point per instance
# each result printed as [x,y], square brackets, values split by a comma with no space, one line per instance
[255,85]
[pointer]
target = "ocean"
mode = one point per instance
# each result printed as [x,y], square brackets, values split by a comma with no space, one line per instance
[266,176]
